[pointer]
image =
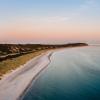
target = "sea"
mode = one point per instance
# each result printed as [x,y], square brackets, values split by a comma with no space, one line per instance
[73,74]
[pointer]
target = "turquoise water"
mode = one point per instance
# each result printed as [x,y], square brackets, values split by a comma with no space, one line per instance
[74,74]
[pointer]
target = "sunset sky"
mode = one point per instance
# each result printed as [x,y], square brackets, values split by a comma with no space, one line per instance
[49,21]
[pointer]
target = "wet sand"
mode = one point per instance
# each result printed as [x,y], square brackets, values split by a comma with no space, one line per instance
[14,84]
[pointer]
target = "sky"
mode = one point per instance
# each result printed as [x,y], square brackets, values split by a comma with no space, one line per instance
[49,21]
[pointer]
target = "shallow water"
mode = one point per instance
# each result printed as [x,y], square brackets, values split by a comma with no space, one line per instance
[73,74]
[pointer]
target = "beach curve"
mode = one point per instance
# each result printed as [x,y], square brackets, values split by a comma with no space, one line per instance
[13,86]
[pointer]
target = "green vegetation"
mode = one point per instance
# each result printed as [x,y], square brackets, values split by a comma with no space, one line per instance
[8,51]
[14,55]
[11,64]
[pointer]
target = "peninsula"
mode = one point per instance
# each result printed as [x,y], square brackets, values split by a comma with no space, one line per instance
[14,56]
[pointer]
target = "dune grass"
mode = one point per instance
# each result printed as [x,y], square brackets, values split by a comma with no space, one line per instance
[11,64]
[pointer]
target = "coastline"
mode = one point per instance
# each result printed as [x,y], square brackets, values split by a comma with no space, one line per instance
[36,77]
[16,83]
[10,65]
[20,79]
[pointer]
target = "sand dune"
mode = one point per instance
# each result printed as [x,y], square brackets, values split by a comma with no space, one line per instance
[14,84]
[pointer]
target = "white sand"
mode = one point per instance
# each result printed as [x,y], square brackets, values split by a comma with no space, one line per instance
[14,84]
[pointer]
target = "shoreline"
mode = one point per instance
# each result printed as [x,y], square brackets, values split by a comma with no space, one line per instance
[19,80]
[34,79]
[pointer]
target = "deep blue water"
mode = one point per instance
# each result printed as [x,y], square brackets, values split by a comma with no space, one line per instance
[74,74]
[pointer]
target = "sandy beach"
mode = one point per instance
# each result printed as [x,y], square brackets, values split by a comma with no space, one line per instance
[14,84]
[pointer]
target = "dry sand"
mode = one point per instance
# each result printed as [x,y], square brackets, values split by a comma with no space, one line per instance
[14,84]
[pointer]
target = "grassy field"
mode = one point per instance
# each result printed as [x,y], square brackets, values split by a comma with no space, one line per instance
[11,64]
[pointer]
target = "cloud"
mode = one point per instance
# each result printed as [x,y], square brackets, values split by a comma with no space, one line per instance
[83,8]
[90,1]
[47,19]
[88,4]
[55,19]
